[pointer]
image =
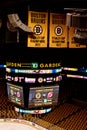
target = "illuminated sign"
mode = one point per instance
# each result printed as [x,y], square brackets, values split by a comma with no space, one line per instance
[33,65]
[24,65]
[36,111]
[34,71]
[45,79]
[50,65]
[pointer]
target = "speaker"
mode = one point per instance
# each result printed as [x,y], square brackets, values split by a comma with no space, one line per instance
[17,23]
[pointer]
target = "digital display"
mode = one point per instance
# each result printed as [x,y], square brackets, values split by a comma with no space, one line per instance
[39,111]
[43,96]
[34,65]
[15,94]
[33,71]
[33,79]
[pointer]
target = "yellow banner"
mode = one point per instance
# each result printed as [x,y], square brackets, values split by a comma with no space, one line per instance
[72,43]
[58,31]
[38,21]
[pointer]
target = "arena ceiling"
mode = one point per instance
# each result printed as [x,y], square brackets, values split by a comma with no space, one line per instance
[6,5]
[9,3]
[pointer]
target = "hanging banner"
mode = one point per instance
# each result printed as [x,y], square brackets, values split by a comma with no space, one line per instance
[58,31]
[38,21]
[72,43]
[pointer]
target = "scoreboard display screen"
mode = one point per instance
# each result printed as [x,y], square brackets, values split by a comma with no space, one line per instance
[33,85]
[15,94]
[43,96]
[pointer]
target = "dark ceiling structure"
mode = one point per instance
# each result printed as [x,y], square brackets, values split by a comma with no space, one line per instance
[66,3]
[7,6]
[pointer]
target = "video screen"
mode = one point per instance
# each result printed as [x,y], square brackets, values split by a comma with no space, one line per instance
[15,94]
[33,71]
[36,111]
[43,96]
[33,79]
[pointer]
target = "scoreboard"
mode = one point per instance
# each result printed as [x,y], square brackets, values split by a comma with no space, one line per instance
[33,86]
[15,94]
[43,96]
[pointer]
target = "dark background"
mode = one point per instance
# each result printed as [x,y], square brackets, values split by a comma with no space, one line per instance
[14,51]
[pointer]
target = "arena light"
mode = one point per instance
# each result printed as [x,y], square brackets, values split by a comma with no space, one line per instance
[74,76]
[70,69]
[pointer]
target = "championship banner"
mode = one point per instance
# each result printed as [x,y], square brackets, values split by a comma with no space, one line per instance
[58,31]
[72,43]
[38,21]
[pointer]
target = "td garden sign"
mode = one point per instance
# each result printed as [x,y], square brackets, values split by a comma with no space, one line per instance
[33,65]
[49,65]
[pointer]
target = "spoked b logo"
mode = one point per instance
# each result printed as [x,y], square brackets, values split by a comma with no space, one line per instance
[58,30]
[38,29]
